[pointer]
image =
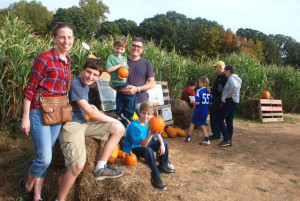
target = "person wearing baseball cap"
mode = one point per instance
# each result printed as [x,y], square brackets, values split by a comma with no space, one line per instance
[216,92]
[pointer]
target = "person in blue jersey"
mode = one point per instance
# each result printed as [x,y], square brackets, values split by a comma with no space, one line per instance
[202,101]
[138,140]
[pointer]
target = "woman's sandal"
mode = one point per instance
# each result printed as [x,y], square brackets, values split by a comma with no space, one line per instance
[27,195]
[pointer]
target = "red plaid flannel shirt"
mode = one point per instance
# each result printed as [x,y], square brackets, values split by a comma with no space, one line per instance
[49,73]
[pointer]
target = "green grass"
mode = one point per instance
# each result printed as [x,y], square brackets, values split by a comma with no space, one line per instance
[202,189]
[262,189]
[294,181]
[196,172]
[290,120]
[219,167]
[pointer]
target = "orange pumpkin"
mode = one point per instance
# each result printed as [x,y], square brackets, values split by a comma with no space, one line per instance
[123,72]
[265,95]
[172,132]
[130,159]
[114,155]
[164,134]
[180,132]
[121,154]
[156,124]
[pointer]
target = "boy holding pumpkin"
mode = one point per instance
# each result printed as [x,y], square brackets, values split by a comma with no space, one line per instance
[138,140]
[72,135]
[115,65]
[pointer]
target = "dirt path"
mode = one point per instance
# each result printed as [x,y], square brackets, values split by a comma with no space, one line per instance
[262,164]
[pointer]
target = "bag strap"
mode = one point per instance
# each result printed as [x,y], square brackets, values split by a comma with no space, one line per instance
[69,77]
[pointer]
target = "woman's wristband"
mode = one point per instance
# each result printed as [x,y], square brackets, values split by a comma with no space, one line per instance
[139,89]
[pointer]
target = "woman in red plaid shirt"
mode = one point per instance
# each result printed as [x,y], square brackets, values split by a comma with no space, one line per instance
[49,74]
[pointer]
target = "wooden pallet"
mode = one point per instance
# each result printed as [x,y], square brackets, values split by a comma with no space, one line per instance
[270,110]
[166,108]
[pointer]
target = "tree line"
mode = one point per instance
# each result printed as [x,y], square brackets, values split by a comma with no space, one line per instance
[198,38]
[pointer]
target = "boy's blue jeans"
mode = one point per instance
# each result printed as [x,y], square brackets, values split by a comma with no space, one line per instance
[148,154]
[125,103]
[227,112]
[44,138]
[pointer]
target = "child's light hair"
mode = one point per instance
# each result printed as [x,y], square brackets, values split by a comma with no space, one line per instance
[147,106]
[204,80]
[120,42]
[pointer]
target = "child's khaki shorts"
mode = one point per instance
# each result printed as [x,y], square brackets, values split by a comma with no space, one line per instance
[72,139]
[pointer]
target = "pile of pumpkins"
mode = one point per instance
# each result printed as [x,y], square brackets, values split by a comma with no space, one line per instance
[130,159]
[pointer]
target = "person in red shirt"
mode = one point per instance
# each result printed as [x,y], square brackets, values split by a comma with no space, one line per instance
[189,91]
[49,77]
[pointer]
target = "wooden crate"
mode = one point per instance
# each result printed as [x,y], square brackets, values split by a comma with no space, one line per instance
[270,110]
[166,108]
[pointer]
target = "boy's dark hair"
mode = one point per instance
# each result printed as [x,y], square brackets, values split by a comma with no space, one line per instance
[230,67]
[95,64]
[139,39]
[192,83]
[120,42]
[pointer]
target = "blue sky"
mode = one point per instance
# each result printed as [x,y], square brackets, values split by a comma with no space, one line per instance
[267,16]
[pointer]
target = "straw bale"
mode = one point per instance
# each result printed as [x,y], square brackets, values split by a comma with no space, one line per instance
[133,185]
[182,113]
[250,109]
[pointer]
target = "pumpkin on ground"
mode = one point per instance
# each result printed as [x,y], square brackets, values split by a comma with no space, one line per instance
[114,155]
[180,132]
[172,132]
[156,124]
[164,134]
[121,154]
[265,95]
[123,72]
[130,159]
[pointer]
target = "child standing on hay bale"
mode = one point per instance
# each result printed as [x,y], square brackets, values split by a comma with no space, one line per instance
[202,101]
[72,135]
[138,140]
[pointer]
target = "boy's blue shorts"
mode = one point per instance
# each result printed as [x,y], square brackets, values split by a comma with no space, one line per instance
[199,120]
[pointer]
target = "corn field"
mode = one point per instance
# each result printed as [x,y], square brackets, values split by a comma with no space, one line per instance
[19,46]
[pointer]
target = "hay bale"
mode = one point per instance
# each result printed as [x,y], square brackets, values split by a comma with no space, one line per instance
[250,109]
[180,107]
[133,185]
[182,113]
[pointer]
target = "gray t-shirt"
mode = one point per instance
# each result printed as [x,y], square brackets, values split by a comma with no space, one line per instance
[78,91]
[139,72]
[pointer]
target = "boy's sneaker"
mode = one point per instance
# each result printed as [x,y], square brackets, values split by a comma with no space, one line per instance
[26,195]
[171,166]
[108,172]
[188,139]
[157,183]
[205,143]
[128,119]
[166,170]
[225,143]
